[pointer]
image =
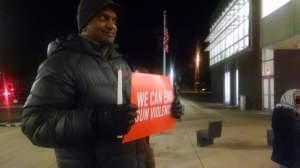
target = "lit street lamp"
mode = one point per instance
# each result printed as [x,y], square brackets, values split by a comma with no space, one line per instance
[197,69]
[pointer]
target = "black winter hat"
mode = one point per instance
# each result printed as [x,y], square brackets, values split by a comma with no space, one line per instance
[89,8]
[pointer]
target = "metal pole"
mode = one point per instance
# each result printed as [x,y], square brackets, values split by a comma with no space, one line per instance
[164,63]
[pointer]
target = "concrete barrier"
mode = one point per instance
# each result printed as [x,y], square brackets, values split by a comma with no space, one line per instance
[206,137]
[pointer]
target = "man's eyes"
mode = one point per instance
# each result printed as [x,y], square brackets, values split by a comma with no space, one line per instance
[104,18]
[101,17]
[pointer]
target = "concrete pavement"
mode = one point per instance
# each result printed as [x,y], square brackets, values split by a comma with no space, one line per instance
[242,145]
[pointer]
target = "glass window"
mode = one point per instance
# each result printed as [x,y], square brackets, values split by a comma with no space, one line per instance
[246,28]
[268,54]
[240,32]
[227,52]
[235,35]
[227,42]
[272,102]
[227,87]
[230,39]
[266,103]
[272,86]
[246,41]
[268,68]
[247,9]
[229,34]
[236,47]
[242,45]
[266,86]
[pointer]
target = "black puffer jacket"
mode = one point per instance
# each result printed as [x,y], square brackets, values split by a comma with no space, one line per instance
[286,132]
[72,85]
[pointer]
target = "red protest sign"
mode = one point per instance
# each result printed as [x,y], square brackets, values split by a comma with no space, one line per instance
[153,94]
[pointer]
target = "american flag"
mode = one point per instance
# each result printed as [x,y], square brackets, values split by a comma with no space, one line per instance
[166,35]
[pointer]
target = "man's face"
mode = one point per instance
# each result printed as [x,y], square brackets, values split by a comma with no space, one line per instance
[103,26]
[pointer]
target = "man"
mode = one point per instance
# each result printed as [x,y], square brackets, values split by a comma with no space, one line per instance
[72,104]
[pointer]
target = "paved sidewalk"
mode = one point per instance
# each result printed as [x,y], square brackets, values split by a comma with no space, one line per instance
[242,144]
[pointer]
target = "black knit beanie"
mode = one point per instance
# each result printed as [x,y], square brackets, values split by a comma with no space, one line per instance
[89,8]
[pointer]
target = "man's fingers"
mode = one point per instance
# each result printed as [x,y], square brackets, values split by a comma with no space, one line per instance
[132,115]
[131,122]
[132,107]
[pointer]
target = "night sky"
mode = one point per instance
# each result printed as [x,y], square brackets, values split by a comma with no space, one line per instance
[27,26]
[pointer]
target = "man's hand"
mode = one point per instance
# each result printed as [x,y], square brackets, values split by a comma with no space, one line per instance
[115,120]
[177,108]
[123,118]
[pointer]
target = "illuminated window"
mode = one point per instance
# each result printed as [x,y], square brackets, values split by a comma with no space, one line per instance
[267,62]
[230,32]
[269,6]
[268,78]
[227,87]
[237,87]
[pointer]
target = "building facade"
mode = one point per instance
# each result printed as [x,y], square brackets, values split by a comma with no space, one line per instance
[280,44]
[254,51]
[235,53]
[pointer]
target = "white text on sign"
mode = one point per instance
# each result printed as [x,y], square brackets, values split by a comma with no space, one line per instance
[153,104]
[145,98]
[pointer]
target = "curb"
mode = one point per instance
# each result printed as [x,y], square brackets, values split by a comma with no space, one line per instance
[10,124]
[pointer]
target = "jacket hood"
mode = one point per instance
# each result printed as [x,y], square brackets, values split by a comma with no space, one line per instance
[52,47]
[62,43]
[77,44]
[287,100]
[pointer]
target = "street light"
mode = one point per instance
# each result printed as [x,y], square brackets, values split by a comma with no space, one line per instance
[172,75]
[197,69]
[197,60]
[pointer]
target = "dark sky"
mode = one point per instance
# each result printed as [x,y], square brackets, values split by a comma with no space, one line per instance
[26,27]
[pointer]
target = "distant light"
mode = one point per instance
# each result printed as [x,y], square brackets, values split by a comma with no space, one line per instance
[172,75]
[198,58]
[15,101]
[6,93]
[227,87]
[268,72]
[6,96]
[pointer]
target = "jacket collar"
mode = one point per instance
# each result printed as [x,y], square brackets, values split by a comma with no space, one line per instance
[94,47]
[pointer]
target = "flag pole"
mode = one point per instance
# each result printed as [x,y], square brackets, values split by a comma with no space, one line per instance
[164,41]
